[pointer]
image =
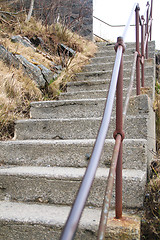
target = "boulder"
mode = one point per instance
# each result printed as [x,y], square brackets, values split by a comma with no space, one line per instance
[8,57]
[25,41]
[63,49]
[47,74]
[32,70]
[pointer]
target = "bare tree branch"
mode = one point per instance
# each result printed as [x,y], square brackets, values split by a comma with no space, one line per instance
[30,11]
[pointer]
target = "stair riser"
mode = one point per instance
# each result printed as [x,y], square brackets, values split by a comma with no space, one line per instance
[103,67]
[113,53]
[71,154]
[76,129]
[129,48]
[109,59]
[88,95]
[106,52]
[26,230]
[63,191]
[25,223]
[103,46]
[103,84]
[83,109]
[109,66]
[107,74]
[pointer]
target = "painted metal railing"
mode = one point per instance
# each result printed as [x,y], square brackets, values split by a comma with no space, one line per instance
[116,162]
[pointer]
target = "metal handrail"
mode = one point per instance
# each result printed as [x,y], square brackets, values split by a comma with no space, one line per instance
[78,206]
[110,25]
[130,87]
[116,164]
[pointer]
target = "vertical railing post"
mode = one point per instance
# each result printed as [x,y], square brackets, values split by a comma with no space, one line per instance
[147,20]
[151,18]
[142,51]
[119,130]
[137,49]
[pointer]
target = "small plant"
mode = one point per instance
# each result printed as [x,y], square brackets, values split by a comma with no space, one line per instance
[151,221]
[157,87]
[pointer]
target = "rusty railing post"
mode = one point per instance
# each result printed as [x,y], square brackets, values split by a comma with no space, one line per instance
[151,18]
[137,49]
[142,51]
[119,130]
[147,20]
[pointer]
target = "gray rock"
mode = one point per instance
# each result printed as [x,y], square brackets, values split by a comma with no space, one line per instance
[66,50]
[32,70]
[8,57]
[25,41]
[48,75]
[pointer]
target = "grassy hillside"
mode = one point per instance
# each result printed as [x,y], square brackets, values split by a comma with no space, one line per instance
[17,89]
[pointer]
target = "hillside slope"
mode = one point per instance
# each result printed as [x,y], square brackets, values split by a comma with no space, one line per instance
[53,49]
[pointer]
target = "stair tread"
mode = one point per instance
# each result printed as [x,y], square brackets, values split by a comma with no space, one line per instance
[106,71]
[49,214]
[66,141]
[75,119]
[66,172]
[97,81]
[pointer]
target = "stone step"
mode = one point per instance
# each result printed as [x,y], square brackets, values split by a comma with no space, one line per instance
[92,85]
[103,66]
[93,94]
[45,222]
[84,108]
[59,185]
[130,51]
[110,59]
[109,52]
[109,65]
[70,153]
[77,128]
[108,74]
[103,45]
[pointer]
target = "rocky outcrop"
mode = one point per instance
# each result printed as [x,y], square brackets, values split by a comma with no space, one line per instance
[25,41]
[8,57]
[37,72]
[33,71]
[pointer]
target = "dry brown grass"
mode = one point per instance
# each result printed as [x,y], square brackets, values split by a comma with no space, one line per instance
[151,221]
[18,90]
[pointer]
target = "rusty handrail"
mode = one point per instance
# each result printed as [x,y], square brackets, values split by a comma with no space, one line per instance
[108,193]
[144,42]
[109,188]
[129,91]
[116,164]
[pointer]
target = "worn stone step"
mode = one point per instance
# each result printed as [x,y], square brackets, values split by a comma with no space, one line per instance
[110,59]
[77,128]
[70,153]
[108,73]
[93,94]
[103,45]
[59,185]
[45,222]
[130,51]
[92,67]
[103,66]
[92,85]
[111,52]
[82,108]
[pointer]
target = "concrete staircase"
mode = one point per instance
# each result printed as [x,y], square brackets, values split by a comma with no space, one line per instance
[42,168]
